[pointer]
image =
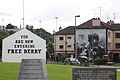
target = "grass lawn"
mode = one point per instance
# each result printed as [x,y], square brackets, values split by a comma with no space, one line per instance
[9,71]
[118,75]
[59,72]
[117,64]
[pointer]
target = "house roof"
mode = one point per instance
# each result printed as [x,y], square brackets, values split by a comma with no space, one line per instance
[68,31]
[88,25]
[115,26]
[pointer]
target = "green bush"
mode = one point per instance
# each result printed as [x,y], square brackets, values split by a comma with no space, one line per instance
[100,61]
[61,57]
[64,56]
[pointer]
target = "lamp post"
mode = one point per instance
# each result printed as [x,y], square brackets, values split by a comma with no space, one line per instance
[100,11]
[40,27]
[23,14]
[75,37]
[40,23]
[55,39]
[56,22]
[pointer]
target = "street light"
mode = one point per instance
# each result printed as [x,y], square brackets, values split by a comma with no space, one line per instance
[23,15]
[40,27]
[55,39]
[56,22]
[40,23]
[100,11]
[75,37]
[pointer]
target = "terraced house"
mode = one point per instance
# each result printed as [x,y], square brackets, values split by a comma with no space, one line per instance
[64,41]
[102,39]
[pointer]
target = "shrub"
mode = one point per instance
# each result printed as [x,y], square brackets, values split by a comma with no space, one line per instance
[100,61]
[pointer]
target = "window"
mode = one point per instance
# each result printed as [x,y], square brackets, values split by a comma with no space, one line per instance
[117,35]
[117,45]
[61,46]
[68,37]
[69,46]
[60,38]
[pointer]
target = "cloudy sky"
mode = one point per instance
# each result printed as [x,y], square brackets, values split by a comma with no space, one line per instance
[42,13]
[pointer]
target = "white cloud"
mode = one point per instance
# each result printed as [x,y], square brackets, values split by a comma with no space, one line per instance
[46,11]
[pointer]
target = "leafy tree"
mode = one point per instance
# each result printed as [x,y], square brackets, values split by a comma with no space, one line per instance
[10,26]
[50,47]
[4,34]
[29,27]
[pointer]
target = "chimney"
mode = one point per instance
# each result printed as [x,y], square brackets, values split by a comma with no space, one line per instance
[60,28]
[96,22]
[110,22]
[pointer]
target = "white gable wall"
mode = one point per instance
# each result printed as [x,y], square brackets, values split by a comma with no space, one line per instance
[10,43]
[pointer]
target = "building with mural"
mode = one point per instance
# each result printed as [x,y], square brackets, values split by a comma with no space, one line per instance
[93,37]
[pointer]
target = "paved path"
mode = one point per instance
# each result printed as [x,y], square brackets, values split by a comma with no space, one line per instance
[103,66]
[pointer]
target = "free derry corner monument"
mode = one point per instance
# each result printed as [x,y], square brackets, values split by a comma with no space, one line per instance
[23,45]
[29,49]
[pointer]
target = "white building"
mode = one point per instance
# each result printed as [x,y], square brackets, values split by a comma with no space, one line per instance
[23,45]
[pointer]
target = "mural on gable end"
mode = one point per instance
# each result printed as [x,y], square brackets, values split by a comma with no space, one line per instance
[91,43]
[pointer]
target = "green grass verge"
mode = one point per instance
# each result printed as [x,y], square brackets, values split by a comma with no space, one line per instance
[59,72]
[10,71]
[118,75]
[117,64]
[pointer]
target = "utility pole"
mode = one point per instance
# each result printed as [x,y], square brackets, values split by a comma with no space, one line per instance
[114,16]
[56,22]
[3,24]
[40,23]
[94,13]
[23,14]
[40,28]
[100,11]
[2,21]
[107,17]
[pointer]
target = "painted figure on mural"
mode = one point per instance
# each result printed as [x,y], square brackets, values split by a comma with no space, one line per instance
[96,48]
[91,50]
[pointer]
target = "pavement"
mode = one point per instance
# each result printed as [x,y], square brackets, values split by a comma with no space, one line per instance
[93,66]
[104,66]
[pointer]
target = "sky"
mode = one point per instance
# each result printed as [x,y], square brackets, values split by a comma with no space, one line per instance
[42,13]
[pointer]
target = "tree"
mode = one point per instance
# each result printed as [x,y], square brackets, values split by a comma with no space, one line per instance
[10,26]
[29,27]
[50,47]
[4,34]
